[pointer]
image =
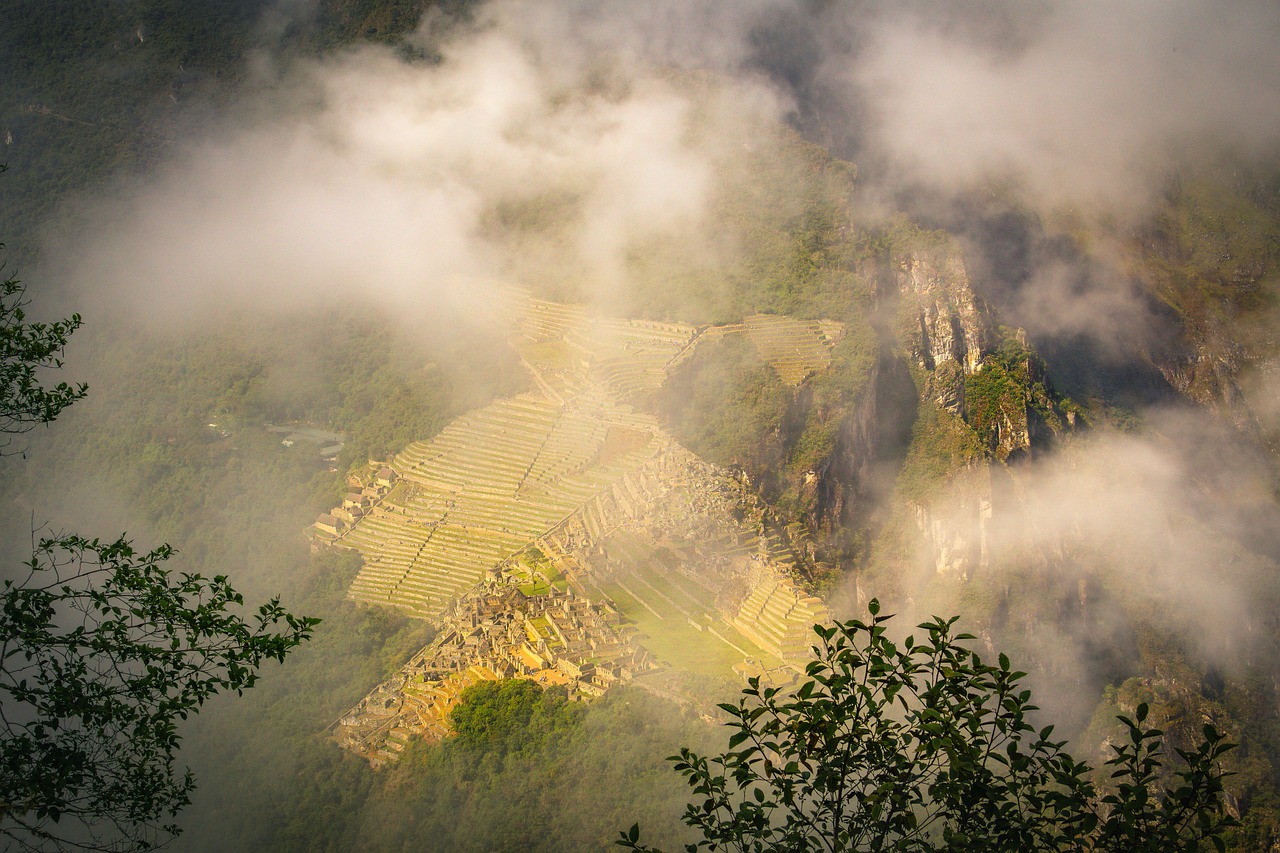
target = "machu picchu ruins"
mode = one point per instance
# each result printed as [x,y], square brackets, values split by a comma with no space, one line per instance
[497,631]
[561,535]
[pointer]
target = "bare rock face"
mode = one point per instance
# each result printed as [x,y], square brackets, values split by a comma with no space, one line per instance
[946,322]
[1207,371]
[943,348]
[994,382]
[954,529]
[941,334]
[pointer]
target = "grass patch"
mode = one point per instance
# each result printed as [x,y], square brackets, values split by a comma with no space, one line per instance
[667,602]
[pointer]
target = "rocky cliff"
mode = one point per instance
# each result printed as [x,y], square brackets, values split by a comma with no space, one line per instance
[985,402]
[943,321]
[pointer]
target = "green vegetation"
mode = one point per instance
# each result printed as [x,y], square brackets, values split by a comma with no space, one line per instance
[86,99]
[239,504]
[728,406]
[93,701]
[1219,245]
[265,758]
[104,651]
[921,746]
[529,771]
[779,213]
[533,773]
[661,604]
[784,209]
[941,444]
[92,90]
[666,632]
[537,574]
[1212,255]
[336,23]
[1010,394]
[1183,705]
[145,435]
[792,219]
[496,716]
[27,351]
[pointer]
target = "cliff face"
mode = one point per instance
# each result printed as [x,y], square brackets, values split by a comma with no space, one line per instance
[955,542]
[852,481]
[939,340]
[1211,254]
[986,405]
[944,322]
[1207,368]
[945,388]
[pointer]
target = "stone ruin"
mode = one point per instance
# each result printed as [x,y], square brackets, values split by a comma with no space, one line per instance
[575,471]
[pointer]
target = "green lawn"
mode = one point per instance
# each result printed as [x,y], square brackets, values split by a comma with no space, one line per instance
[676,598]
[537,587]
[674,641]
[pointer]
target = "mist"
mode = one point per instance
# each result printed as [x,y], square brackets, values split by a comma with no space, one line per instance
[1143,555]
[554,146]
[1075,105]
[366,178]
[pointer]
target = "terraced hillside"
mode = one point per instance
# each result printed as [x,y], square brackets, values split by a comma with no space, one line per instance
[675,611]
[570,351]
[797,349]
[616,508]
[488,485]
[690,555]
[779,618]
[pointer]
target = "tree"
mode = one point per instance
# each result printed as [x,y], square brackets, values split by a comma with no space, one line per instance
[924,747]
[103,651]
[26,351]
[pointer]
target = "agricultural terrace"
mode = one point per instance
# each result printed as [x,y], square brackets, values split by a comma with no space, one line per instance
[779,617]
[498,478]
[570,351]
[797,349]
[574,457]
[484,488]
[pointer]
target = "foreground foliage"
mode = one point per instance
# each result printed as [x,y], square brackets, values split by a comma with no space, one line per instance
[28,349]
[105,650]
[921,746]
[102,651]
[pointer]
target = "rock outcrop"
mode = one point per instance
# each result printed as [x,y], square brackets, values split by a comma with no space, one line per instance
[944,320]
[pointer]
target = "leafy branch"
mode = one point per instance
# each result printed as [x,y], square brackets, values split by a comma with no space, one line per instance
[27,350]
[103,651]
[923,746]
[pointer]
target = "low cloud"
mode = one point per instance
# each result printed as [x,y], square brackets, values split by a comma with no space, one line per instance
[366,178]
[1076,103]
[369,179]
[1173,530]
